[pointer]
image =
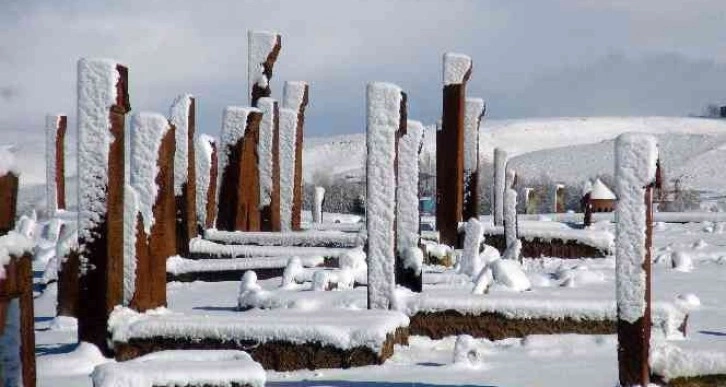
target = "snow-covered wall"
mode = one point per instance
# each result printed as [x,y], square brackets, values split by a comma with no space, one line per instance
[264,148]
[147,132]
[383,119]
[635,165]
[179,117]
[204,150]
[288,135]
[97,80]
[407,216]
[500,163]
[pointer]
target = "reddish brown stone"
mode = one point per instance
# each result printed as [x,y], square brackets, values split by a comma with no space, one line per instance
[270,215]
[60,165]
[186,203]
[257,91]
[102,286]
[8,198]
[68,285]
[297,190]
[471,184]
[212,189]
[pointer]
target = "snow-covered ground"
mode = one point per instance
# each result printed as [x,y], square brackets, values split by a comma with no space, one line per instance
[537,360]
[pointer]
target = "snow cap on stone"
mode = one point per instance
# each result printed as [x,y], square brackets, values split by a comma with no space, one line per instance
[293,94]
[473,111]
[259,45]
[456,67]
[179,117]
[264,148]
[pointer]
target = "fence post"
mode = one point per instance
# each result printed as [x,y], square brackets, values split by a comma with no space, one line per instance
[239,188]
[152,149]
[207,168]
[268,153]
[55,131]
[474,111]
[635,170]
[183,117]
[262,50]
[295,96]
[385,117]
[450,148]
[102,106]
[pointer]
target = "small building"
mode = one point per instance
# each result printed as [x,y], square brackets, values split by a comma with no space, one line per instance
[602,199]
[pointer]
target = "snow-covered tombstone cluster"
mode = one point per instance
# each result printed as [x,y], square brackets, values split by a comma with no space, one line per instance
[635,171]
[55,132]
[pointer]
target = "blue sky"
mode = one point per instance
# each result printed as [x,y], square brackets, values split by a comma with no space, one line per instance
[531,58]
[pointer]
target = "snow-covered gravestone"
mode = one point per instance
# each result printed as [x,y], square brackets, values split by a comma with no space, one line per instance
[510,210]
[295,97]
[55,134]
[9,173]
[385,102]
[409,259]
[206,173]
[288,138]
[635,170]
[263,47]
[183,117]
[450,148]
[152,179]
[474,111]
[268,158]
[500,165]
[470,263]
[239,188]
[318,200]
[102,106]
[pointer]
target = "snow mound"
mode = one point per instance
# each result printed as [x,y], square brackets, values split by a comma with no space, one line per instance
[509,273]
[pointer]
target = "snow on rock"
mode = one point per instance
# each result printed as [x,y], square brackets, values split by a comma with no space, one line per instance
[13,244]
[67,240]
[181,368]
[345,329]
[508,272]
[681,261]
[354,259]
[383,120]
[288,136]
[483,281]
[413,259]
[147,132]
[513,251]
[131,211]
[670,361]
[248,283]
[470,264]
[456,68]
[510,216]
[318,198]
[64,323]
[292,271]
[7,161]
[500,163]
[177,265]
[179,117]
[201,246]
[468,352]
[51,136]
[489,255]
[203,149]
[293,94]
[26,225]
[635,166]
[600,191]
[97,80]
[234,125]
[473,111]
[688,301]
[286,238]
[80,361]
[259,46]
[320,280]
[264,148]
[407,214]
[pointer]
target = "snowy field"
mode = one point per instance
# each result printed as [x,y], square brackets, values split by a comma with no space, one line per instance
[553,360]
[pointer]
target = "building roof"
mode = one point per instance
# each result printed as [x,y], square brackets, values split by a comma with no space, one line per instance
[601,191]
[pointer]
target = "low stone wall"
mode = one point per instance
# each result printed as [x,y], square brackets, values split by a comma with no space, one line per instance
[537,247]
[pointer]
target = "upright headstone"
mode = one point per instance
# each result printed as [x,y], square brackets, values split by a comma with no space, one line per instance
[207,171]
[385,104]
[263,47]
[500,166]
[183,118]
[474,111]
[450,148]
[635,170]
[268,153]
[295,96]
[55,133]
[102,106]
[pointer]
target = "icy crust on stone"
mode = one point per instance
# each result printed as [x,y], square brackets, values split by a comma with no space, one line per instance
[7,160]
[500,163]
[131,210]
[635,165]
[13,244]
[201,246]
[204,150]
[288,135]
[345,329]
[147,132]
[264,149]
[293,94]
[473,111]
[51,136]
[177,265]
[470,263]
[259,46]
[181,368]
[234,125]
[670,361]
[510,216]
[97,79]
[407,215]
[383,119]
[286,238]
[318,198]
[455,68]
[179,117]
[600,191]
[601,239]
